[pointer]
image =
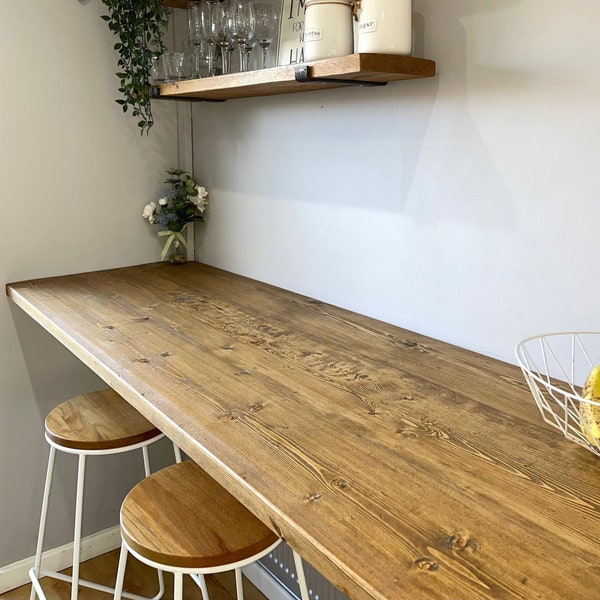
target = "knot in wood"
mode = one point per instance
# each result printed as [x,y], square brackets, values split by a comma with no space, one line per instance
[340,483]
[426,563]
[460,542]
[230,415]
[258,406]
[405,398]
[406,432]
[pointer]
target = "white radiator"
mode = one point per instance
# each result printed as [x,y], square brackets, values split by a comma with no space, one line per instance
[280,564]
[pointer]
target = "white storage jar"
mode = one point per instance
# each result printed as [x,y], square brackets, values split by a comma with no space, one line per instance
[328,29]
[385,26]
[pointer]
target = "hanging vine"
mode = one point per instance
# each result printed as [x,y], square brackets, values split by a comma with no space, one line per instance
[140,26]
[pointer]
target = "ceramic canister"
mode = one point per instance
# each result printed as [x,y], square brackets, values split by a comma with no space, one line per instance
[328,29]
[385,26]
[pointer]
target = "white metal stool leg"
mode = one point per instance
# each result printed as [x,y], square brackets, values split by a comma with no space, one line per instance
[146,457]
[177,586]
[77,532]
[35,571]
[121,572]
[177,453]
[300,576]
[239,584]
[201,583]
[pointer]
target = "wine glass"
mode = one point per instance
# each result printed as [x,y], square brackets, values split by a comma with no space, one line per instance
[208,7]
[195,16]
[266,25]
[224,26]
[196,36]
[199,13]
[245,17]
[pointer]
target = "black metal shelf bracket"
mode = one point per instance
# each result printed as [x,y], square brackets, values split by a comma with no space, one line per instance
[156,96]
[302,75]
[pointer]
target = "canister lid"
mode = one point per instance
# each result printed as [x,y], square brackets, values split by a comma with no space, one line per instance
[315,2]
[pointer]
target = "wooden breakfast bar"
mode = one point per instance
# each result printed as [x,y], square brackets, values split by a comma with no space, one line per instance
[401,467]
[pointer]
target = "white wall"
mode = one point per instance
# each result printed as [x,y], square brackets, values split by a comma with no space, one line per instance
[74,176]
[463,206]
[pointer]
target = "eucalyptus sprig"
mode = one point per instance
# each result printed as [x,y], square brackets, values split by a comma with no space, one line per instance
[140,26]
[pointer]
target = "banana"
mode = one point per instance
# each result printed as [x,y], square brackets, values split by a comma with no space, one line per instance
[589,414]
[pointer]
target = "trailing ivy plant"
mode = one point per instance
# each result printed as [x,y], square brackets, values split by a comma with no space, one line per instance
[140,26]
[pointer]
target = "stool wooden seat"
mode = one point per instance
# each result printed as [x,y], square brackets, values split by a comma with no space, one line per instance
[100,420]
[93,424]
[181,520]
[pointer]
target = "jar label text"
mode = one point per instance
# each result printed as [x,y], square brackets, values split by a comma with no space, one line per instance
[367,26]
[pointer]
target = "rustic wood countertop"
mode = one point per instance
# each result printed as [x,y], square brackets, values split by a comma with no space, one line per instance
[401,467]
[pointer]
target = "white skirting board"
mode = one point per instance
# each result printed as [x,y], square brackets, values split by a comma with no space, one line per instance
[17,574]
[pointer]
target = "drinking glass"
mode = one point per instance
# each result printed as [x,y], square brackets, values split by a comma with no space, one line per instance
[245,17]
[195,17]
[267,16]
[157,70]
[201,33]
[224,26]
[174,65]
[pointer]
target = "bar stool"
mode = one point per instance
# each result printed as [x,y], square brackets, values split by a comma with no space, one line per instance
[182,521]
[95,424]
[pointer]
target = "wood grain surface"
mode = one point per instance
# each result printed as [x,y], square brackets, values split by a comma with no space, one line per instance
[99,420]
[181,517]
[401,467]
[281,80]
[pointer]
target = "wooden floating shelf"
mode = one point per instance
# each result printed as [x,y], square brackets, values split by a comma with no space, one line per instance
[354,69]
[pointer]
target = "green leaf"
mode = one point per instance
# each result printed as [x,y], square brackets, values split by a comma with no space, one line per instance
[140,26]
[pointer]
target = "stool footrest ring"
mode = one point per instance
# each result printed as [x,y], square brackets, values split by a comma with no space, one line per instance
[84,583]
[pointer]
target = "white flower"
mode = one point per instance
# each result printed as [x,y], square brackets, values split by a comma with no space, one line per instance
[163,201]
[201,202]
[149,211]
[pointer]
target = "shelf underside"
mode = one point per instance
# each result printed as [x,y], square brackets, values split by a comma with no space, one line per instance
[354,68]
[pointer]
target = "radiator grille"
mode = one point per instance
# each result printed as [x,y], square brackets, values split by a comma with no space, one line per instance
[280,563]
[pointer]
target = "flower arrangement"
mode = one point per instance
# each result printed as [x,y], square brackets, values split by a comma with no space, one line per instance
[183,203]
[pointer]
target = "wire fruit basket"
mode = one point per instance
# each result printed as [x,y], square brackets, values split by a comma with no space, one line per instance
[555,366]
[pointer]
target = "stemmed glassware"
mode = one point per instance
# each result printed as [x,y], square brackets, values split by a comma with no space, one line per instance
[195,18]
[200,25]
[224,28]
[196,15]
[217,26]
[245,16]
[209,35]
[266,26]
